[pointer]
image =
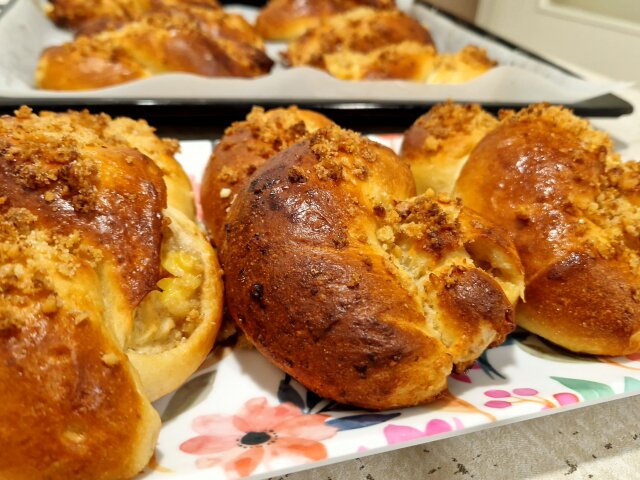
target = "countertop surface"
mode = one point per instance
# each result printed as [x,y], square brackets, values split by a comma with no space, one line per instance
[593,442]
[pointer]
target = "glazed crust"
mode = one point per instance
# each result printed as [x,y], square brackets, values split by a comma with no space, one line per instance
[362,292]
[88,247]
[402,61]
[245,146]
[362,30]
[555,183]
[213,44]
[369,44]
[288,19]
[90,16]
[68,393]
[571,205]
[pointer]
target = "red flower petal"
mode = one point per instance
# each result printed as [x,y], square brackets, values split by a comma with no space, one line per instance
[216,425]
[207,444]
[258,416]
[208,462]
[245,463]
[311,427]
[298,447]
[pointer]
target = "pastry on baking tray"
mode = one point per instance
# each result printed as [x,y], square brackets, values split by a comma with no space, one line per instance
[571,205]
[406,60]
[361,30]
[366,44]
[110,295]
[409,61]
[288,19]
[460,67]
[216,44]
[363,292]
[245,146]
[80,14]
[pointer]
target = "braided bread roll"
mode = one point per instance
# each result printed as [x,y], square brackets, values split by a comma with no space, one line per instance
[209,43]
[571,205]
[359,290]
[288,19]
[89,16]
[245,146]
[109,294]
[361,30]
[370,44]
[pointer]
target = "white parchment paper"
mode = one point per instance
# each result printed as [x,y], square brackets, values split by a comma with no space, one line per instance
[25,31]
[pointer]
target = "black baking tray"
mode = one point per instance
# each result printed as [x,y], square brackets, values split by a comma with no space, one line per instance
[356,114]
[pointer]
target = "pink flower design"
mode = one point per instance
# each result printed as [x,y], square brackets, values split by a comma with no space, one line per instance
[521,395]
[259,433]
[463,377]
[401,433]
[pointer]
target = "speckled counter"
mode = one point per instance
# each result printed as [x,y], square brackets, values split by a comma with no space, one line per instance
[599,442]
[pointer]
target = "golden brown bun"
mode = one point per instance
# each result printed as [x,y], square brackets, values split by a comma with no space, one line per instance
[245,146]
[288,19]
[361,30]
[368,44]
[460,67]
[409,60]
[72,406]
[362,292]
[78,14]
[558,186]
[572,206]
[438,143]
[100,279]
[220,45]
[403,61]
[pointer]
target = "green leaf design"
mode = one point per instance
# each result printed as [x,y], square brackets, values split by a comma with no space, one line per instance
[631,384]
[588,389]
[190,394]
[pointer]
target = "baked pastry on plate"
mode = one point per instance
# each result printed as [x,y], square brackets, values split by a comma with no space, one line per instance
[110,296]
[360,290]
[571,204]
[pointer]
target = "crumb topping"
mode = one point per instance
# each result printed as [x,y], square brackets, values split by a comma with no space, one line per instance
[29,256]
[75,174]
[358,30]
[605,219]
[278,128]
[447,118]
[430,220]
[341,153]
[563,118]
